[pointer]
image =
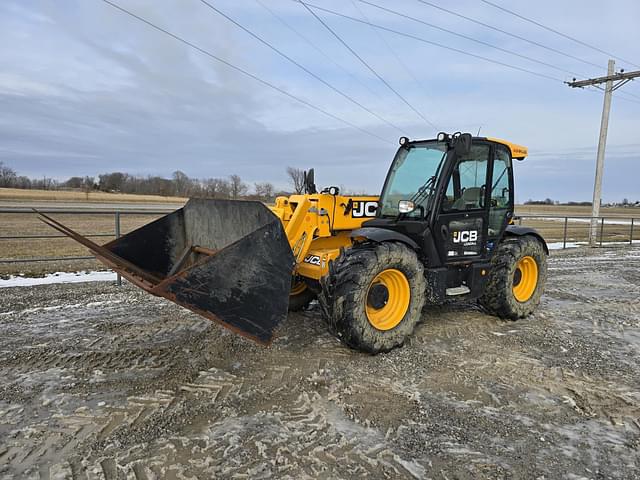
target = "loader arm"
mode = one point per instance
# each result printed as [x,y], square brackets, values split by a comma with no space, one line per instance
[319,225]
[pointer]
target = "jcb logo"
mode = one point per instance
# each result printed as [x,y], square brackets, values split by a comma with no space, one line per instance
[364,209]
[312,259]
[465,236]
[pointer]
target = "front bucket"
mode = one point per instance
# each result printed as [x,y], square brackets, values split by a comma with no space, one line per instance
[227,260]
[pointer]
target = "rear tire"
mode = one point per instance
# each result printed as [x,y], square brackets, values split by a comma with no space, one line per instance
[517,279]
[373,296]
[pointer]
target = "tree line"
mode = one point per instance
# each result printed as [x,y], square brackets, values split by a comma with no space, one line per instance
[179,185]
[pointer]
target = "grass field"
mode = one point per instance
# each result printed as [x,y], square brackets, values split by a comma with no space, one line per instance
[18,224]
[17,195]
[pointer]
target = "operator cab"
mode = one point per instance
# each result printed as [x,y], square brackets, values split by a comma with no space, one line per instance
[452,197]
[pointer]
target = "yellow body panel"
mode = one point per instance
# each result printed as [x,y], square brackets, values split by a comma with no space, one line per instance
[318,225]
[517,151]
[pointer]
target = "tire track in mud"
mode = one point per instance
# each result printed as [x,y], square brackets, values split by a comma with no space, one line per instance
[591,396]
[309,440]
[322,438]
[105,424]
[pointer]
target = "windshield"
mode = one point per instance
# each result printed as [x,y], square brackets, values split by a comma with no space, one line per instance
[412,177]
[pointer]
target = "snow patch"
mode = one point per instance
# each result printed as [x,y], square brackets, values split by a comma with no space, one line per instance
[61,307]
[59,277]
[559,245]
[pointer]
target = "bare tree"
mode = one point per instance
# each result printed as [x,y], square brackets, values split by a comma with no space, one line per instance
[264,191]
[7,176]
[296,176]
[112,182]
[88,184]
[237,187]
[182,183]
[23,182]
[74,182]
[217,188]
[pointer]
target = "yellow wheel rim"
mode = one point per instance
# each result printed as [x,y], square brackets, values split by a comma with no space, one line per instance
[297,288]
[525,279]
[388,298]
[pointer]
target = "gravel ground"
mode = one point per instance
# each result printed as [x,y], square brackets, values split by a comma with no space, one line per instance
[104,382]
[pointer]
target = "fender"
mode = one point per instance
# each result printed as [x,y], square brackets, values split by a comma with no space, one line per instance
[518,231]
[379,235]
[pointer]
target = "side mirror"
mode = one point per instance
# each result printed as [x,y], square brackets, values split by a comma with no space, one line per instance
[462,144]
[406,206]
[309,182]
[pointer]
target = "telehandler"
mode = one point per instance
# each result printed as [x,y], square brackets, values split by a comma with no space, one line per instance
[442,229]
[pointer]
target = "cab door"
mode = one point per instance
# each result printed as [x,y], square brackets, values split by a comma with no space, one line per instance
[501,196]
[462,223]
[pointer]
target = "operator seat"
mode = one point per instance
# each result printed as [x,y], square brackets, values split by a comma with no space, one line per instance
[470,199]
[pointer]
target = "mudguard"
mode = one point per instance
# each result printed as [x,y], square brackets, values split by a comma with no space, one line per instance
[379,235]
[518,231]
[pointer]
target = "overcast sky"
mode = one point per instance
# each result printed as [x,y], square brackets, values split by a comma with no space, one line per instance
[85,89]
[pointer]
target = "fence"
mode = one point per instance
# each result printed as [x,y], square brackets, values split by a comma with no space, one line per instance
[559,231]
[80,220]
[570,231]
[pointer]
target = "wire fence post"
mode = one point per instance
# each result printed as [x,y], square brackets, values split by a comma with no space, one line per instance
[117,217]
[564,235]
[631,232]
[601,230]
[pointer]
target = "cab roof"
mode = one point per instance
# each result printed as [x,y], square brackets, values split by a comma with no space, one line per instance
[517,151]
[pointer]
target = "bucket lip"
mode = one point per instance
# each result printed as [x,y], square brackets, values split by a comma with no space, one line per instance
[214,318]
[204,313]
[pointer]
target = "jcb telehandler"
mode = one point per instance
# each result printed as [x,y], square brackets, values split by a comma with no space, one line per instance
[441,229]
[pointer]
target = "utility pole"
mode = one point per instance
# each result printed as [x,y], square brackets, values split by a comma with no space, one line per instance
[620,78]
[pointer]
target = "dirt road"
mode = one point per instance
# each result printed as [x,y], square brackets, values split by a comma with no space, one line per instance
[104,382]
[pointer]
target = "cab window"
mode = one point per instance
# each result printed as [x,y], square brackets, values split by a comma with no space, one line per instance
[501,195]
[467,185]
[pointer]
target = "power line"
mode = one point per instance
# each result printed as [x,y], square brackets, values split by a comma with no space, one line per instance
[629,97]
[244,72]
[314,46]
[573,39]
[300,66]
[513,35]
[440,45]
[600,90]
[371,69]
[631,94]
[466,37]
[393,52]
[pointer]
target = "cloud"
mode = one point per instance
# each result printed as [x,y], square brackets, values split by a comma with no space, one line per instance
[89,90]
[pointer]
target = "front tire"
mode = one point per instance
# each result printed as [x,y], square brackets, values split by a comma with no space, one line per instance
[373,296]
[517,279]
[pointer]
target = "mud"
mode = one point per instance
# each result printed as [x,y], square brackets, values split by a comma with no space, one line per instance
[103,382]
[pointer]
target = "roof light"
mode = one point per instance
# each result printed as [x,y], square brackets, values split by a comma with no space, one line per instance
[403,141]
